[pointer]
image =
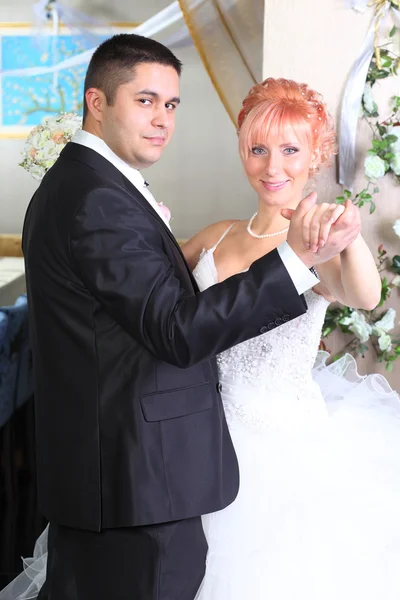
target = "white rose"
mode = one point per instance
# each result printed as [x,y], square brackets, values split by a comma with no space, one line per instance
[43,155]
[368,100]
[395,164]
[36,171]
[374,167]
[396,281]
[386,323]
[381,328]
[396,227]
[34,140]
[385,342]
[358,325]
[48,155]
[394,130]
[70,123]
[41,138]
[48,163]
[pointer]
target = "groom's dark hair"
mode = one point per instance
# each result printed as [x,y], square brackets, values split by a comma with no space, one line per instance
[114,62]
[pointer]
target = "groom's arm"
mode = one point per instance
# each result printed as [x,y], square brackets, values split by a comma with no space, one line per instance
[119,253]
[303,279]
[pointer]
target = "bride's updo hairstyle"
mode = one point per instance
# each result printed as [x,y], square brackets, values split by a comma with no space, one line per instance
[274,103]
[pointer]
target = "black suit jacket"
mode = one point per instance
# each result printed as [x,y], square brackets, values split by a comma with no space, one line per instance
[130,424]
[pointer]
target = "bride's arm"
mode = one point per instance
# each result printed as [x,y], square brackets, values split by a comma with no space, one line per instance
[352,277]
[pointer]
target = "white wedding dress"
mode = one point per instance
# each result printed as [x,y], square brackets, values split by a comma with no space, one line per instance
[317,516]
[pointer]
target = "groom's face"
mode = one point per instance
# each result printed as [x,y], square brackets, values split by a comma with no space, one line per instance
[141,121]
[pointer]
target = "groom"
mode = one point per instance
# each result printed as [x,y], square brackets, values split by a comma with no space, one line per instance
[132,444]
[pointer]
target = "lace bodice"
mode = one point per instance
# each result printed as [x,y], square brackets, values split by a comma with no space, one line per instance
[276,365]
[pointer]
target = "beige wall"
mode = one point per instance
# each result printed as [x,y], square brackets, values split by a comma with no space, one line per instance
[317,42]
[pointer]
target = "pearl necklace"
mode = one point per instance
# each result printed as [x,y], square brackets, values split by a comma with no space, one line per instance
[264,235]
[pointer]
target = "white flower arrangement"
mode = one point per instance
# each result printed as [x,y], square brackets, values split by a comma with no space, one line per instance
[45,142]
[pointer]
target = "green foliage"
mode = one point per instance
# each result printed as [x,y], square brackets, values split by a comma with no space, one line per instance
[338,319]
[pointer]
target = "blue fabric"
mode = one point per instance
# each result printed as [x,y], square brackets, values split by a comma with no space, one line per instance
[3,326]
[15,360]
[25,375]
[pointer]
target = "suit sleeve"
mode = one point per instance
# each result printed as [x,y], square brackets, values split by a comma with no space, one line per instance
[119,254]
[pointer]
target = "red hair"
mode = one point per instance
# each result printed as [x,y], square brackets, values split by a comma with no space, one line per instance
[277,102]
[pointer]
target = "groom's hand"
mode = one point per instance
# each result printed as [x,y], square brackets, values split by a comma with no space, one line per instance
[340,230]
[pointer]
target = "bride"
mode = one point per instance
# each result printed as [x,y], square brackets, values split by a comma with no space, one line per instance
[317,516]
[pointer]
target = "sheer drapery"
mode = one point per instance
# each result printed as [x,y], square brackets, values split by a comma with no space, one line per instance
[228,35]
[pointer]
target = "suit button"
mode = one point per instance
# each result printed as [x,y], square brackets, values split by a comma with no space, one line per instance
[219,388]
[278,321]
[263,329]
[285,318]
[271,325]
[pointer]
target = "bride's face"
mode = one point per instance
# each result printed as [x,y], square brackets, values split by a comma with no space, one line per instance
[279,167]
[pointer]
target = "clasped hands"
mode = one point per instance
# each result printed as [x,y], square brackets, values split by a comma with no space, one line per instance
[317,233]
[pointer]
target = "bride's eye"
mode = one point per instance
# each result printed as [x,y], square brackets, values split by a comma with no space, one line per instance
[257,150]
[291,150]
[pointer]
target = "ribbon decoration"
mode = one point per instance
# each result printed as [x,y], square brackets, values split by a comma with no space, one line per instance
[54,16]
[75,20]
[53,11]
[155,24]
[354,90]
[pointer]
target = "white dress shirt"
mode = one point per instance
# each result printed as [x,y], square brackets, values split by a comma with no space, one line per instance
[301,276]
[135,177]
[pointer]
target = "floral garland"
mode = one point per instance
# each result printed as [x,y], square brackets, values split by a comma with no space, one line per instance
[375,328]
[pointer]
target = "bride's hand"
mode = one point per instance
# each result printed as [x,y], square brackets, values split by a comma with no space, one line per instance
[342,232]
[317,224]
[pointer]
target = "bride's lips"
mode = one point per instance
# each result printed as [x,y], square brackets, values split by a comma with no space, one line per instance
[273,186]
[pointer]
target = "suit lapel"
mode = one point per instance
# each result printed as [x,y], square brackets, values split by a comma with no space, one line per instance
[99,163]
[138,196]
[144,203]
